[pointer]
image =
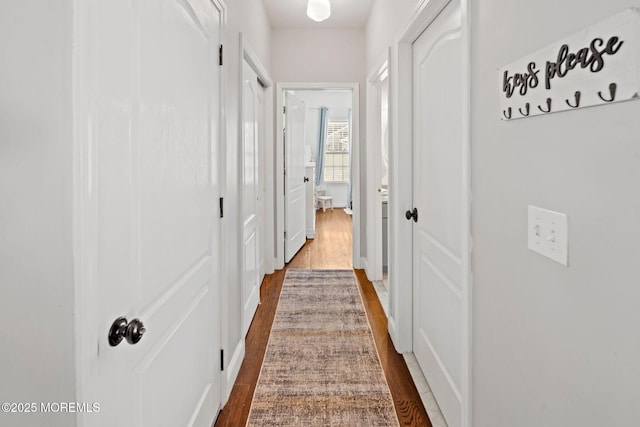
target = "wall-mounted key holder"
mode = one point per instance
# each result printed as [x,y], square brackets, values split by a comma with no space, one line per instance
[599,65]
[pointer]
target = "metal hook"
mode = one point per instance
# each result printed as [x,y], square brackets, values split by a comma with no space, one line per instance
[577,95]
[548,110]
[504,113]
[526,108]
[612,92]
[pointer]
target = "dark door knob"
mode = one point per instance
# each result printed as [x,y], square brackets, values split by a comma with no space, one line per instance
[412,214]
[306,179]
[121,329]
[135,331]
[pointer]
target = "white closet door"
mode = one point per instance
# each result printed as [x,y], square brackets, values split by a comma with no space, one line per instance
[438,191]
[149,167]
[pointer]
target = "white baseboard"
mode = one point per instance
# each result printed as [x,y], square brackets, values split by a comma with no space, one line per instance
[234,368]
[367,270]
[364,265]
[392,328]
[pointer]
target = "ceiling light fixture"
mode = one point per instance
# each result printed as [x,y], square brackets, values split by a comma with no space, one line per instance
[318,10]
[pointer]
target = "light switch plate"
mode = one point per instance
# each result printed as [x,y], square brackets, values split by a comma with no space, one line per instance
[548,234]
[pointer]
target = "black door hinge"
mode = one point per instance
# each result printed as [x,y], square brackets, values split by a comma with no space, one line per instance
[284,110]
[221,359]
[220,59]
[221,207]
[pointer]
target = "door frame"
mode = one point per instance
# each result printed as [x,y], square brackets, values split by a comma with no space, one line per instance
[248,54]
[84,214]
[401,178]
[373,266]
[355,163]
[236,356]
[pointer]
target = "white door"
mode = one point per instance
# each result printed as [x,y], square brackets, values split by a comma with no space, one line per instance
[295,213]
[251,188]
[150,229]
[438,191]
[260,207]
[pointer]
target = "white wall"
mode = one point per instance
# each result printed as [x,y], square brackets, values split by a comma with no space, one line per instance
[553,346]
[322,55]
[385,20]
[325,56]
[250,18]
[36,195]
[339,104]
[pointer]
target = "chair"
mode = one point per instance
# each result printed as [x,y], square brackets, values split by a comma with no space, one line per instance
[323,199]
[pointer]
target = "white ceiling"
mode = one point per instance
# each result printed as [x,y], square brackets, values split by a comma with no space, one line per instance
[293,14]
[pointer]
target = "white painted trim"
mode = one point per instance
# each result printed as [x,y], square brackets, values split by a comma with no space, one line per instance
[279,162]
[467,287]
[374,160]
[401,258]
[222,177]
[254,62]
[244,325]
[248,54]
[269,190]
[400,199]
[364,264]
[233,369]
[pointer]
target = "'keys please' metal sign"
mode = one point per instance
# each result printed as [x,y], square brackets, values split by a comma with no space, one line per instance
[599,65]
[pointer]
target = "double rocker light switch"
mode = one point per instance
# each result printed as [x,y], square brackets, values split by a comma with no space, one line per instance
[548,234]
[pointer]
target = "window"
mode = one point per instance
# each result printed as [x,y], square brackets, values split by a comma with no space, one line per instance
[336,159]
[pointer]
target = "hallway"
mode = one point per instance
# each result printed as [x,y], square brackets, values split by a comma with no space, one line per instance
[331,249]
[145,185]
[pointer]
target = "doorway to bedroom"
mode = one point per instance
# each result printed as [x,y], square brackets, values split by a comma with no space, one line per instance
[319,178]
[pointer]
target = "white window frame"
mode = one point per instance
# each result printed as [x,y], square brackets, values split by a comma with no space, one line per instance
[330,178]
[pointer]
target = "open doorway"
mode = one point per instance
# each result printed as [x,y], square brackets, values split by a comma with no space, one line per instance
[317,165]
[378,188]
[327,160]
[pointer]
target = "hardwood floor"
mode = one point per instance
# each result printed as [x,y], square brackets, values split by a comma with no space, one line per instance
[332,246]
[330,249]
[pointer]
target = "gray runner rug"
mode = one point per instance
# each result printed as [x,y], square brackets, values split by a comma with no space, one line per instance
[321,366]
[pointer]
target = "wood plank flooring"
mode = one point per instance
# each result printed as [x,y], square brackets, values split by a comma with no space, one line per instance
[330,249]
[332,246]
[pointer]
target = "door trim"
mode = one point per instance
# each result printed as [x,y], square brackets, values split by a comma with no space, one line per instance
[279,163]
[400,182]
[246,53]
[254,62]
[373,266]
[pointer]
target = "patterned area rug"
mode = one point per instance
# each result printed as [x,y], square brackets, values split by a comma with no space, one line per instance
[321,367]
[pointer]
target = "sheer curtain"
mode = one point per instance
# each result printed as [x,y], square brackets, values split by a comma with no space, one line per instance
[322,139]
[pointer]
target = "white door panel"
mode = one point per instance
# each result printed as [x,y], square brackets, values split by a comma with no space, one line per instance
[261,184]
[150,230]
[438,196]
[295,207]
[251,195]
